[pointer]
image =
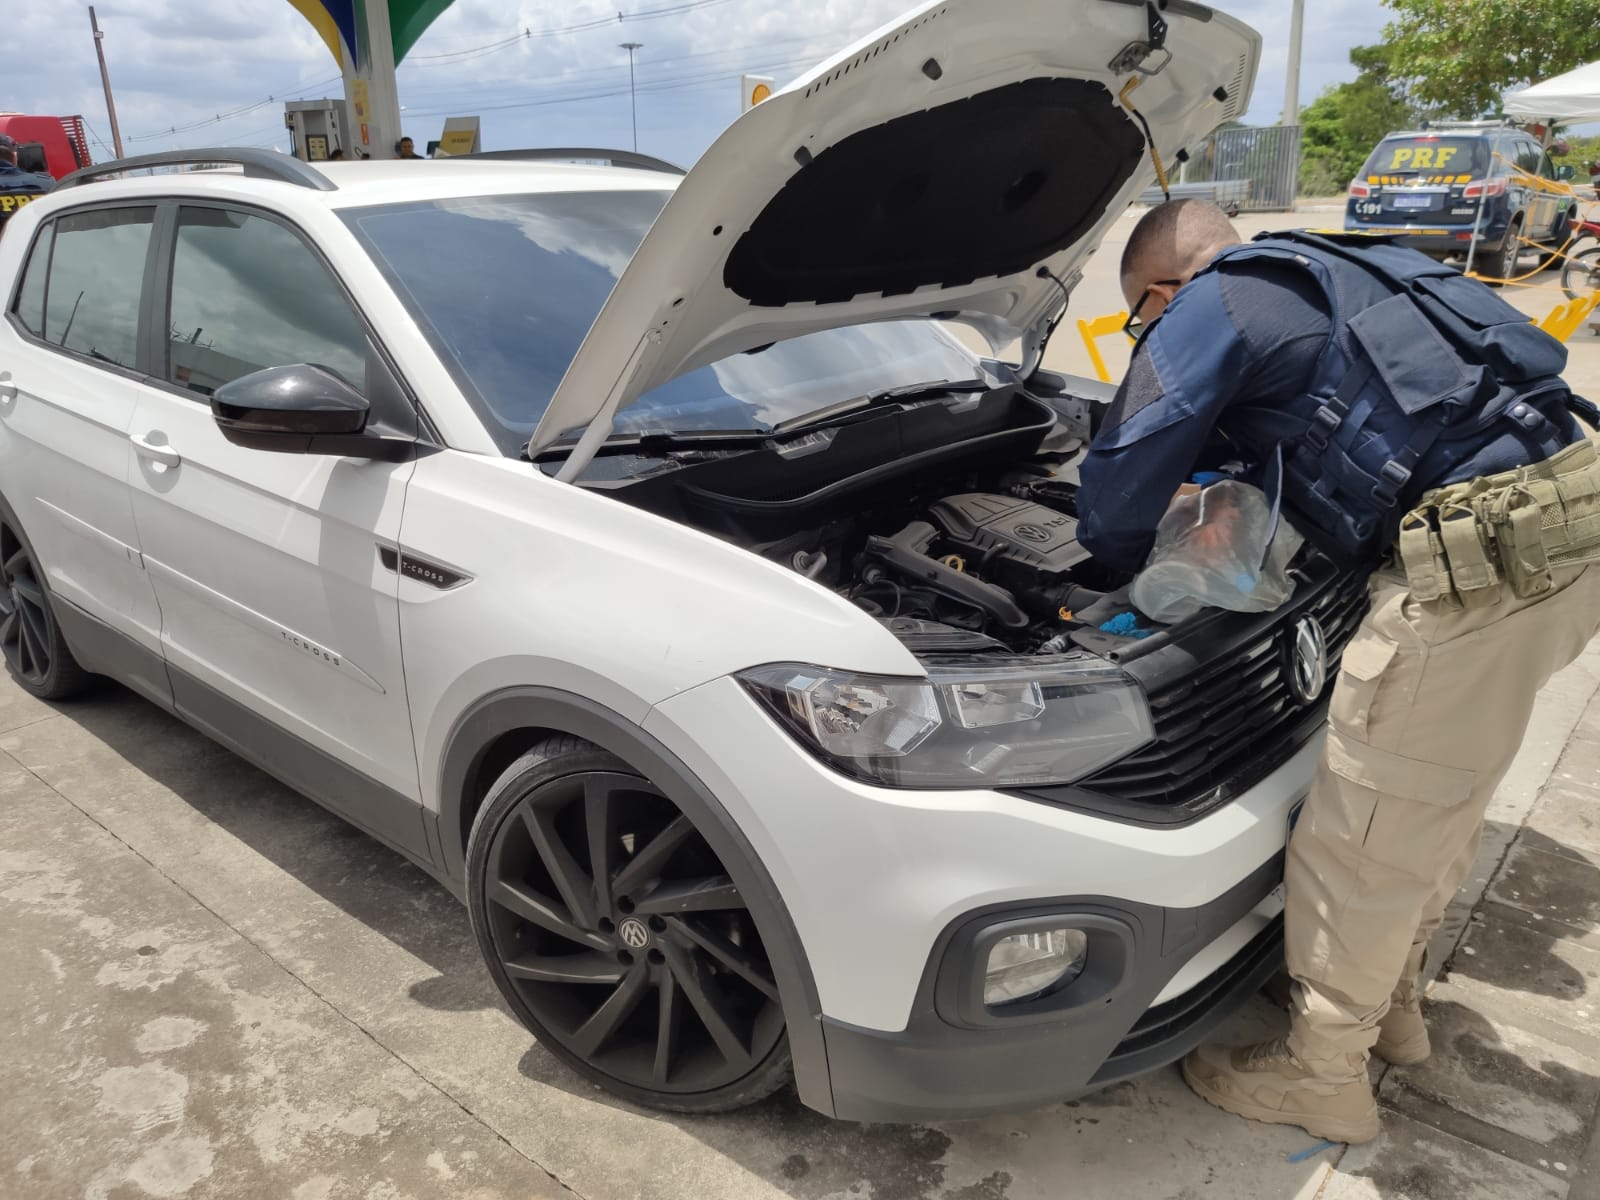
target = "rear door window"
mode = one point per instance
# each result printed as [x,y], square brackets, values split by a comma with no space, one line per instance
[91,294]
[1405,159]
[30,297]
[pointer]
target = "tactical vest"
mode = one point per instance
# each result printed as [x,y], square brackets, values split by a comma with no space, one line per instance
[1421,363]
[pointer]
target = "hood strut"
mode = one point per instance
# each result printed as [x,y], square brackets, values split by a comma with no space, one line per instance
[1037,339]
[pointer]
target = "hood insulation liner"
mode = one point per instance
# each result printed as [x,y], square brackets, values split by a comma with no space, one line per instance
[986,186]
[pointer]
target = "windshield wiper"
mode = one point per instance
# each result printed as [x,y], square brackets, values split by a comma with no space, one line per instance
[647,441]
[916,391]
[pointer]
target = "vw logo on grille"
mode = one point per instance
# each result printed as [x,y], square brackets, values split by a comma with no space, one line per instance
[633,933]
[1307,671]
[1032,533]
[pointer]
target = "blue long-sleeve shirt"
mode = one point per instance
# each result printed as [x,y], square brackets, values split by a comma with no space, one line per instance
[1237,335]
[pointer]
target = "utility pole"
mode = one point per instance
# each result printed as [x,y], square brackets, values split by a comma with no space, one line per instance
[105,78]
[633,96]
[1291,94]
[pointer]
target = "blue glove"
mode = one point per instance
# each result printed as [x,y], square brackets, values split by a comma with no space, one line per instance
[1125,625]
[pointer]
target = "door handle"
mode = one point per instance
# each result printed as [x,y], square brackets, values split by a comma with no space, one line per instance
[158,452]
[8,392]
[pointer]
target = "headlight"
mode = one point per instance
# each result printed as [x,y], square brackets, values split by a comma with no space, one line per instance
[1023,965]
[1017,724]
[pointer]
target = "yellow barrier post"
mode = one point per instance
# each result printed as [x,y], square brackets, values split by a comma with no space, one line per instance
[1564,319]
[1101,327]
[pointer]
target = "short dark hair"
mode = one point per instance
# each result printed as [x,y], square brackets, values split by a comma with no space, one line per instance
[8,147]
[1179,230]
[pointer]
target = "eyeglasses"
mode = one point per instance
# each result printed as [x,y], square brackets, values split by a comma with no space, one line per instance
[1135,324]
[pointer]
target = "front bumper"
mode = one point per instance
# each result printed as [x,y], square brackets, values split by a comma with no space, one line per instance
[934,1070]
[880,882]
[1438,239]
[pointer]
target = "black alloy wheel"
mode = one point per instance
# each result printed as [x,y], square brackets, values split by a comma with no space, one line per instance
[617,936]
[34,649]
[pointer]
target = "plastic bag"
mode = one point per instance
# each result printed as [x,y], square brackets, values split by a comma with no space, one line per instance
[1212,551]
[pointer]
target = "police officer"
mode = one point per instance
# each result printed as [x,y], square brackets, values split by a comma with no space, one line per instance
[1416,428]
[17,187]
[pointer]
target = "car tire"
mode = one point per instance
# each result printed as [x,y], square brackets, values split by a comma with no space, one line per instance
[617,937]
[1553,252]
[36,653]
[1506,257]
[1549,256]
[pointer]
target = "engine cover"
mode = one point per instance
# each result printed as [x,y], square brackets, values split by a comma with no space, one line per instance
[1001,531]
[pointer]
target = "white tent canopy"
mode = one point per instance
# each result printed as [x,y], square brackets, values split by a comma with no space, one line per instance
[1572,97]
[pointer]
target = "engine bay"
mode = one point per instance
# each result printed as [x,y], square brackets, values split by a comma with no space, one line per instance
[974,570]
[952,519]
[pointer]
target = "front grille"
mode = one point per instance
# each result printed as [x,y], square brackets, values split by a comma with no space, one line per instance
[1232,720]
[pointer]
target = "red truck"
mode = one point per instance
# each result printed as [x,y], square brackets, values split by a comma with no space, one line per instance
[55,146]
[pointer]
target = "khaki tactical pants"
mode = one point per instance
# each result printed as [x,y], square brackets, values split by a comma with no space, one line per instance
[1428,711]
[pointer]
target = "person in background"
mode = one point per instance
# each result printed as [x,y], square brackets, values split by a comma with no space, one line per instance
[405,148]
[336,156]
[17,187]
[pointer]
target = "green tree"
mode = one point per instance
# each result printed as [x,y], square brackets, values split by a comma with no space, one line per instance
[1461,55]
[1342,125]
[1340,128]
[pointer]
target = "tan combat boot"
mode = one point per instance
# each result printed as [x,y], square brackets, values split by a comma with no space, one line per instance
[1268,1082]
[1402,1037]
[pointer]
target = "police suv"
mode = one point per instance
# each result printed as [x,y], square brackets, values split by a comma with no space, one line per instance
[636,554]
[1433,187]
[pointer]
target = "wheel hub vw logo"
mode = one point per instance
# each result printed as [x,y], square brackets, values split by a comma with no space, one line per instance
[1307,672]
[633,933]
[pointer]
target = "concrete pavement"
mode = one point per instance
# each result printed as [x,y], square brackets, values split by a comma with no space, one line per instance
[215,989]
[144,867]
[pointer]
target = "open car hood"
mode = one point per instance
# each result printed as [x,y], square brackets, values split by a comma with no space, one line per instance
[947,165]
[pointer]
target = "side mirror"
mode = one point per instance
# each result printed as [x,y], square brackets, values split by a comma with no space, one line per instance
[300,409]
[1566,174]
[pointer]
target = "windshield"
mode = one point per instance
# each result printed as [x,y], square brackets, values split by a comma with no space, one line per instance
[505,288]
[1429,155]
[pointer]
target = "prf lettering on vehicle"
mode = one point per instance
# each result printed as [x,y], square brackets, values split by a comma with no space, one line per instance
[1422,158]
[10,202]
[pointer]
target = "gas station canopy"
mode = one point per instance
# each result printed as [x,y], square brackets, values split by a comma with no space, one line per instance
[1572,97]
[341,23]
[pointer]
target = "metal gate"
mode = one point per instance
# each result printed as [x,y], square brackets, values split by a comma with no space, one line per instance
[1266,157]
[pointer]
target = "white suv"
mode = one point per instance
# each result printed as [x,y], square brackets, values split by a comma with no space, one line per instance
[638,555]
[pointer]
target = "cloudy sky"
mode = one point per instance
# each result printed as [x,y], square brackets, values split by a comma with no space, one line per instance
[179,65]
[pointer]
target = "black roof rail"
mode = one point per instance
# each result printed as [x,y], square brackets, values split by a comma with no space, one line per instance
[617,158]
[257,164]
